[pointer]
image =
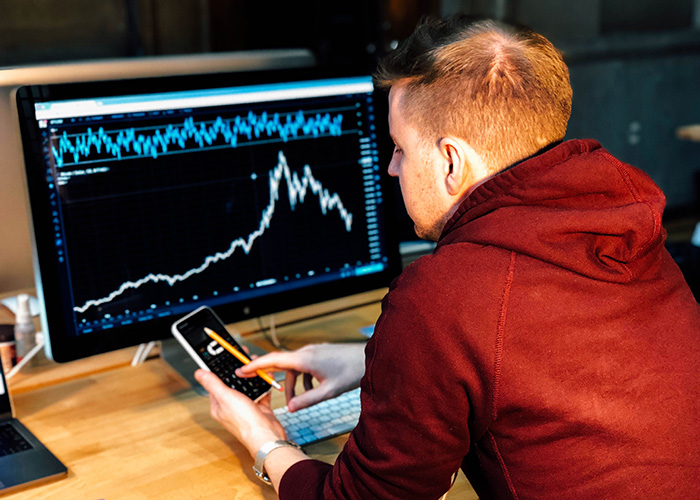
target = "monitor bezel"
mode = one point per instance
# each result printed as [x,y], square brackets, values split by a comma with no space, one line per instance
[62,344]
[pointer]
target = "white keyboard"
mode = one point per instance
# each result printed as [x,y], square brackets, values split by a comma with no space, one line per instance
[322,421]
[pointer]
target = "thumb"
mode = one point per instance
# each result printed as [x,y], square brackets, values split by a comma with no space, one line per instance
[308,398]
[211,383]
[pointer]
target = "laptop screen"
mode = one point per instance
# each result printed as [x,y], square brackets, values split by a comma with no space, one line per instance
[5,407]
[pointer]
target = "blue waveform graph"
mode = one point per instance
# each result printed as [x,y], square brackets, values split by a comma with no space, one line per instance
[190,135]
[298,188]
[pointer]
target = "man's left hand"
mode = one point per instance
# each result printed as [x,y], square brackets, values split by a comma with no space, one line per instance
[253,424]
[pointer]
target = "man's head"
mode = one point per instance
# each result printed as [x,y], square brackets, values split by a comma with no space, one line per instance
[473,98]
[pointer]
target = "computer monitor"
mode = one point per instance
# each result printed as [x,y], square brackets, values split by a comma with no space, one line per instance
[16,269]
[252,193]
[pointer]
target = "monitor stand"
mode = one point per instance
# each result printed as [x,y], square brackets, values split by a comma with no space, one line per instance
[174,354]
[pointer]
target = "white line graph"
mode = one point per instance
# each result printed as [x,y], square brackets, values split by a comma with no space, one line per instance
[297,188]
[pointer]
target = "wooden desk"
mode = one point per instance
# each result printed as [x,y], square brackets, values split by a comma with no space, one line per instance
[143,433]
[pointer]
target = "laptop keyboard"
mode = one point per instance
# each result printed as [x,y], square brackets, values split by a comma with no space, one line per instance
[12,441]
[322,421]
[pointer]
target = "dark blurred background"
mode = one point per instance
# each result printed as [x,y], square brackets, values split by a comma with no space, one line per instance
[635,65]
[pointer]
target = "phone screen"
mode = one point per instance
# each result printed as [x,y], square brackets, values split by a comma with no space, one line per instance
[216,357]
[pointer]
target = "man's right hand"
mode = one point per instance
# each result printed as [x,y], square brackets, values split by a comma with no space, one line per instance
[337,367]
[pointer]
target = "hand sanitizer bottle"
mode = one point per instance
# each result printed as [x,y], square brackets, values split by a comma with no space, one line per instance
[24,327]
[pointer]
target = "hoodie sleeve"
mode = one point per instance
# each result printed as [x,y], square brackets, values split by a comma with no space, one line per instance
[413,433]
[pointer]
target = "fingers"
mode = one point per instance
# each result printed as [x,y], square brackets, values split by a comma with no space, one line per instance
[309,398]
[211,383]
[265,400]
[215,408]
[264,405]
[308,382]
[215,387]
[274,361]
[290,383]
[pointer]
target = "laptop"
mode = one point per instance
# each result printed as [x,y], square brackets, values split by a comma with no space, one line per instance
[23,459]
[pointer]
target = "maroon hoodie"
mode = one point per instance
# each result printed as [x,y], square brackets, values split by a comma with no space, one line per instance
[549,346]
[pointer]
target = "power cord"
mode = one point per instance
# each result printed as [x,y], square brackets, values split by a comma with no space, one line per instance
[142,353]
[270,333]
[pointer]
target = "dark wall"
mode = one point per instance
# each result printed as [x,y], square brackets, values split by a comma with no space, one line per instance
[635,68]
[634,105]
[43,30]
[341,32]
[634,65]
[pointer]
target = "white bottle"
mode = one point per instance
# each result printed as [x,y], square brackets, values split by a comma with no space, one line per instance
[24,327]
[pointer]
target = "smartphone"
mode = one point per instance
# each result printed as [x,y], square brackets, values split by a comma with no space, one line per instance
[211,356]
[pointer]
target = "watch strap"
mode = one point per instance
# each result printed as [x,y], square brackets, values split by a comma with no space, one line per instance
[264,451]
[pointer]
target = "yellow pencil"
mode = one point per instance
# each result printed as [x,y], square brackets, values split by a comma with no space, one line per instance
[241,357]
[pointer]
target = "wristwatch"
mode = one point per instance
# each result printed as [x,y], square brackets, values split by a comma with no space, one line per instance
[264,451]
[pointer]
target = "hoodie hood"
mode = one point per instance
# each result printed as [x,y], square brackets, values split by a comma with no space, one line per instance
[574,206]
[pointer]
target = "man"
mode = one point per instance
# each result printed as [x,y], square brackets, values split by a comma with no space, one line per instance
[549,346]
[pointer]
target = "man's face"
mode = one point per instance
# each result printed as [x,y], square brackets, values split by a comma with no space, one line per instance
[413,163]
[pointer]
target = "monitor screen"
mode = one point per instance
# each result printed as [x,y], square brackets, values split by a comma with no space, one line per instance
[248,193]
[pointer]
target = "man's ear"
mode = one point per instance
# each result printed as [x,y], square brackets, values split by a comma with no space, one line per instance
[456,170]
[463,166]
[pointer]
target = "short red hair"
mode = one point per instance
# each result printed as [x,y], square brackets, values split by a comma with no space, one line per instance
[505,92]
